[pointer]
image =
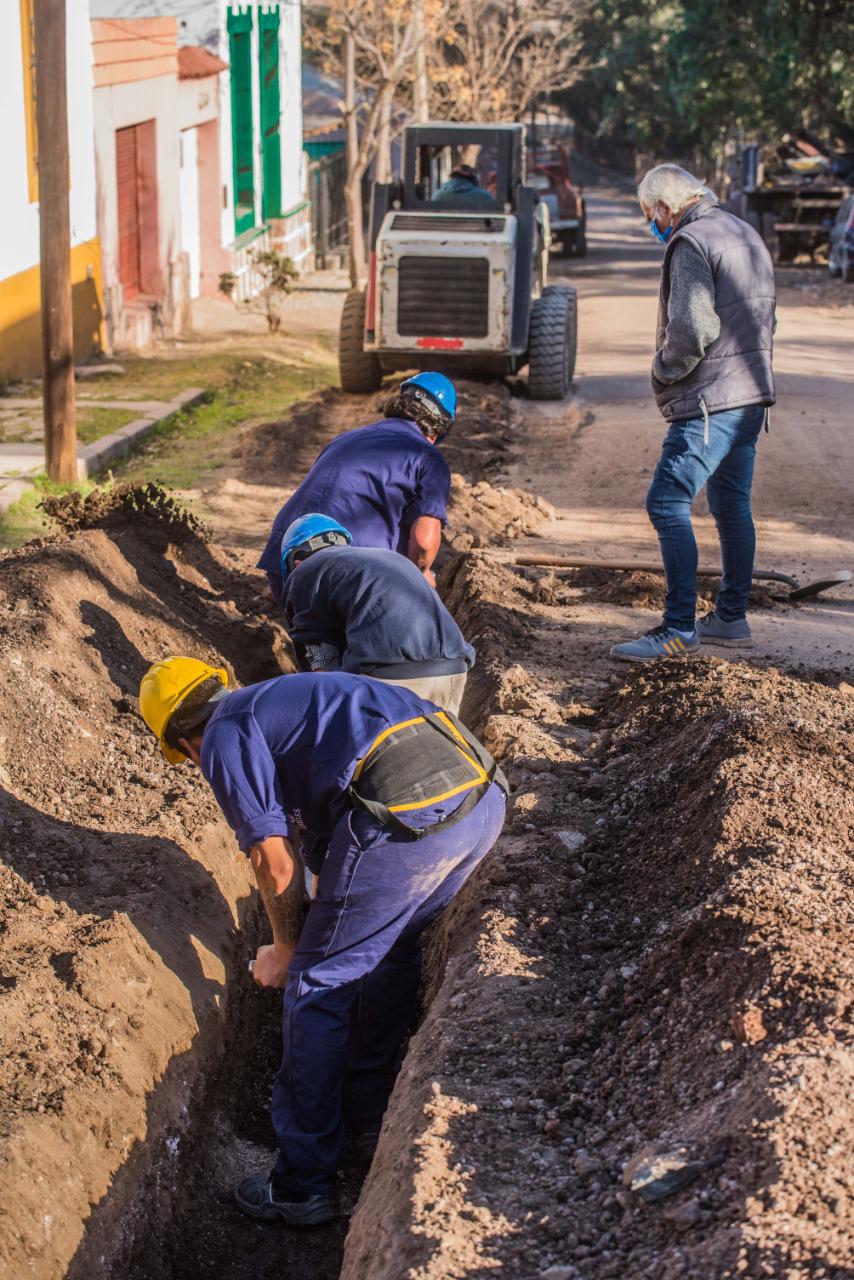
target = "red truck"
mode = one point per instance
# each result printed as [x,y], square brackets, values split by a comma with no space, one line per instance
[550,174]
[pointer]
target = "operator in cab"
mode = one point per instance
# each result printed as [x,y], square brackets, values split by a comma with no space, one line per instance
[463,188]
[386,483]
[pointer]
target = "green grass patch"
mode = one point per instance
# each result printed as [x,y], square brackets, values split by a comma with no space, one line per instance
[195,443]
[93,422]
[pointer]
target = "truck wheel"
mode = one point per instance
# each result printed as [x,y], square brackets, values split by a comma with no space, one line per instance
[552,342]
[359,369]
[581,242]
[846,269]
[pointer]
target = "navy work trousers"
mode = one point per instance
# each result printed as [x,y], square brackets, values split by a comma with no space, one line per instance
[722,459]
[353,982]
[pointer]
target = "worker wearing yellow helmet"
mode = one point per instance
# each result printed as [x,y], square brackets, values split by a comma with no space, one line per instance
[333,769]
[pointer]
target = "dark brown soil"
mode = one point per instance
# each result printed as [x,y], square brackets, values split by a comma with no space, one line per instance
[654,956]
[657,958]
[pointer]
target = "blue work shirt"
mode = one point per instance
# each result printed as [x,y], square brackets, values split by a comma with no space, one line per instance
[282,753]
[376,481]
[379,612]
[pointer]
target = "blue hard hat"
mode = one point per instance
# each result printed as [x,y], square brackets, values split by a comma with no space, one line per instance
[310,533]
[439,389]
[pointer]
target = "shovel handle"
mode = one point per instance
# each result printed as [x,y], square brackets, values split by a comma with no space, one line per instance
[580,562]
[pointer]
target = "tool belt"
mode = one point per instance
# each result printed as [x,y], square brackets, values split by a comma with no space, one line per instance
[421,763]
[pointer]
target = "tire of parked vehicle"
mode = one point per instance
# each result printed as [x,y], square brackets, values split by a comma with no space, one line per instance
[359,370]
[846,265]
[580,245]
[552,343]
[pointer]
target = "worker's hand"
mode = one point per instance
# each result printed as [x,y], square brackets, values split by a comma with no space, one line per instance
[271,964]
[430,576]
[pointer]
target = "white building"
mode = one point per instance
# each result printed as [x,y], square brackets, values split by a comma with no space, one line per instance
[262,164]
[20,306]
[157,149]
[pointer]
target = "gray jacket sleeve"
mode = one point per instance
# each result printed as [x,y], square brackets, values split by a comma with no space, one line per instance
[692,322]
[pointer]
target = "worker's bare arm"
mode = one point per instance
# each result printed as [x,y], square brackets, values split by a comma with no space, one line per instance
[425,538]
[278,874]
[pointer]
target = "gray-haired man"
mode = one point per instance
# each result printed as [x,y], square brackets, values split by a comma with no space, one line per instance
[713,383]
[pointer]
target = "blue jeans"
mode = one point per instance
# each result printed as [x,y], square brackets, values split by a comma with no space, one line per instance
[725,466]
[352,986]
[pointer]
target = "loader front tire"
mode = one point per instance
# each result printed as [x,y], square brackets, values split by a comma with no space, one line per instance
[359,370]
[552,342]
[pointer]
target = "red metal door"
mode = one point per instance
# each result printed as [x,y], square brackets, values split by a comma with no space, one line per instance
[127,183]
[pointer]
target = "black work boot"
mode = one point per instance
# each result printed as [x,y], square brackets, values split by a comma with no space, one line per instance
[257,1197]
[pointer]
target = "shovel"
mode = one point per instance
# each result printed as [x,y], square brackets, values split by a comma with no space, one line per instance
[797,591]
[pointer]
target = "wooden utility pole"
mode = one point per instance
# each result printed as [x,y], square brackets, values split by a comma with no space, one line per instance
[60,419]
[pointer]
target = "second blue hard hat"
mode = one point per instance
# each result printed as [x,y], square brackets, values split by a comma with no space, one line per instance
[437,388]
[310,533]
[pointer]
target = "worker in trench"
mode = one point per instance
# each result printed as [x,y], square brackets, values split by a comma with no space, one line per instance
[369,611]
[713,382]
[386,482]
[392,803]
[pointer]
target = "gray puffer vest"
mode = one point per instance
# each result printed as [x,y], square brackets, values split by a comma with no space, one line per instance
[736,369]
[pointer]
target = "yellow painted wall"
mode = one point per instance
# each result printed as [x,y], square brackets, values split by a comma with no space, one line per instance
[20,309]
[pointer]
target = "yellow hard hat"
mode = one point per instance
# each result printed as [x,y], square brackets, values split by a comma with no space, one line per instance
[164,687]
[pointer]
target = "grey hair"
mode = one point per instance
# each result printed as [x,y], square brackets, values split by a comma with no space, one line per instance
[669,185]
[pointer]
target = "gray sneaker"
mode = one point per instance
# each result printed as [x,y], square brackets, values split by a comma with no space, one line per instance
[730,635]
[661,642]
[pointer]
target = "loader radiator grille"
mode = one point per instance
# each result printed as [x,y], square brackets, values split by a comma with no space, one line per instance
[446,222]
[443,297]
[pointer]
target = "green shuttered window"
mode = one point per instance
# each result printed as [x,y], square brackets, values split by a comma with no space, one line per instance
[242,129]
[271,149]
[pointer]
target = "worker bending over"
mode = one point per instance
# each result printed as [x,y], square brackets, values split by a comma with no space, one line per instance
[395,804]
[387,482]
[369,611]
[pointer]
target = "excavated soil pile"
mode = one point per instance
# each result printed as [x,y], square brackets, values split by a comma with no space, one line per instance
[635,1059]
[122,888]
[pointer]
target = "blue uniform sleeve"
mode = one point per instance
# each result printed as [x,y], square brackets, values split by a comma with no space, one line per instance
[311,610]
[434,488]
[242,773]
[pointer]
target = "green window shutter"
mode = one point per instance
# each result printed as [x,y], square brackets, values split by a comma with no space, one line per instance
[271,147]
[242,129]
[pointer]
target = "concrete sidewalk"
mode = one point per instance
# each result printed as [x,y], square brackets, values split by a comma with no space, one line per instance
[22,460]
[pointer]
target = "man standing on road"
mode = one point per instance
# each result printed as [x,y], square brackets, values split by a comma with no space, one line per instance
[395,804]
[713,383]
[387,482]
[369,611]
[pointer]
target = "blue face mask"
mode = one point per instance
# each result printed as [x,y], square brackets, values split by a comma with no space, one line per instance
[656,231]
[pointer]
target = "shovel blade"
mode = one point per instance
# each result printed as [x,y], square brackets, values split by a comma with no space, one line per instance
[821,584]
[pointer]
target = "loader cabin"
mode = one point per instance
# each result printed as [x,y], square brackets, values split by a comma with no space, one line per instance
[432,154]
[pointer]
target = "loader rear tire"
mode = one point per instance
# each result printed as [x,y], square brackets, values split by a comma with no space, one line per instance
[552,343]
[359,370]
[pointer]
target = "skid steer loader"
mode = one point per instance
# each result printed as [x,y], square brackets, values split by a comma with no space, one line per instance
[458,268]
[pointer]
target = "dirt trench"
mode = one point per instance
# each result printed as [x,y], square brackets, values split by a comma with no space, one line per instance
[653,957]
[653,970]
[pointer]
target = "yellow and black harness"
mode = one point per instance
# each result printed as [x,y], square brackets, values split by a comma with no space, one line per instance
[421,763]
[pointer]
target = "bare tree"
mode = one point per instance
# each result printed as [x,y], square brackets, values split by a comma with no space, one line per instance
[495,57]
[374,43]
